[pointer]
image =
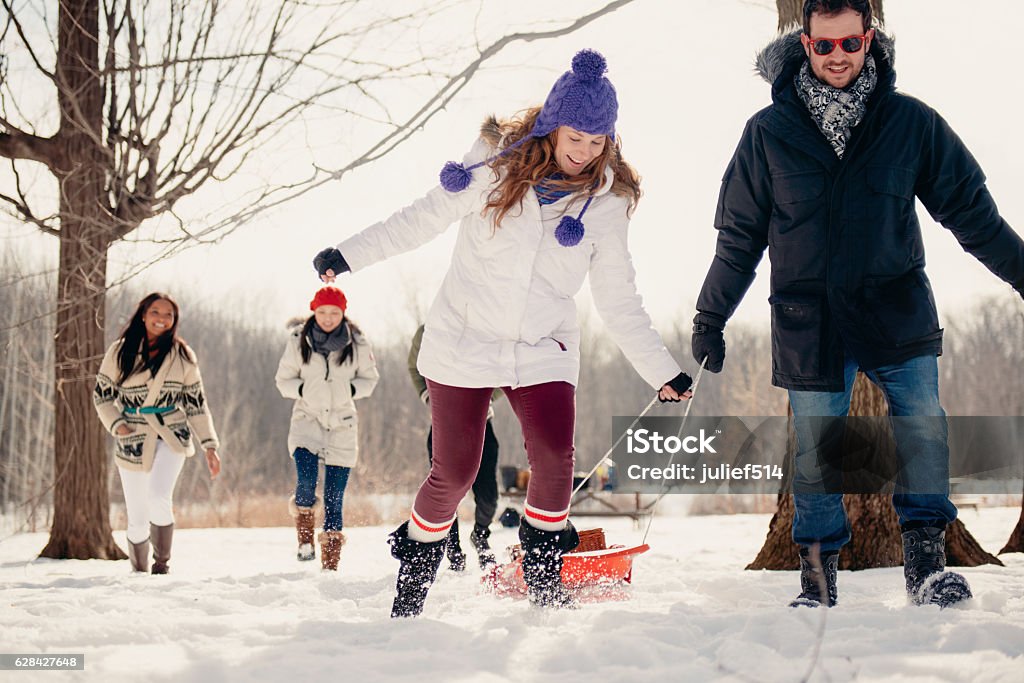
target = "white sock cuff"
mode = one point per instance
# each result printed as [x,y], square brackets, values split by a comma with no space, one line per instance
[546,520]
[428,532]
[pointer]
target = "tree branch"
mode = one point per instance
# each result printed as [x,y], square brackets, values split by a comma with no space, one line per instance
[17,144]
[23,212]
[24,39]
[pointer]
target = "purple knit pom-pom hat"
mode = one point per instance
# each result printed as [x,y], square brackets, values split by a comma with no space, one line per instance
[583,99]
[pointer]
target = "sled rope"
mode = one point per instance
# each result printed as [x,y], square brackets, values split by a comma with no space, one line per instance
[689,404]
[608,453]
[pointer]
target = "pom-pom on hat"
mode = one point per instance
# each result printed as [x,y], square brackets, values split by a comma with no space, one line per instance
[583,99]
[329,296]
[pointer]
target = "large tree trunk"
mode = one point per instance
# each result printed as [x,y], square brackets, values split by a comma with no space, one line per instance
[791,13]
[1016,542]
[81,505]
[875,537]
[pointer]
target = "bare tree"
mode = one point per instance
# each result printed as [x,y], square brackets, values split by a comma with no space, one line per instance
[150,103]
[791,13]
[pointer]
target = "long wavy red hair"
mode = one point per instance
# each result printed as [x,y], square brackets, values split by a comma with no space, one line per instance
[525,166]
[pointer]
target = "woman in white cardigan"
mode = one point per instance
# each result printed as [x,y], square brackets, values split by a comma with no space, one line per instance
[550,206]
[150,397]
[327,364]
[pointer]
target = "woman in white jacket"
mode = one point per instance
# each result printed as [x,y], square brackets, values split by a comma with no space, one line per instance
[326,365]
[550,206]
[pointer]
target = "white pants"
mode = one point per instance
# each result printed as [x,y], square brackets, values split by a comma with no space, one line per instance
[147,495]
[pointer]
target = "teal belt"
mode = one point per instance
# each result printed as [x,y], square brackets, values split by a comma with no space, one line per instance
[150,410]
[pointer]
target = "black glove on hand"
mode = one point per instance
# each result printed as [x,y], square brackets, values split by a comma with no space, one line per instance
[330,259]
[707,340]
[680,383]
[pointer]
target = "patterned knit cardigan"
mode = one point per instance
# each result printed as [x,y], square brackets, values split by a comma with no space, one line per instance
[182,390]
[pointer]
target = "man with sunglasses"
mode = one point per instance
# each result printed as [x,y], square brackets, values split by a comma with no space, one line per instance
[825,178]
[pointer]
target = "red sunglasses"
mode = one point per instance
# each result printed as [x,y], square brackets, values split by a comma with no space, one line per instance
[826,46]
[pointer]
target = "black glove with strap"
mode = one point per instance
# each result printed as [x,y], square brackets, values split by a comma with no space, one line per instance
[330,259]
[708,341]
[680,384]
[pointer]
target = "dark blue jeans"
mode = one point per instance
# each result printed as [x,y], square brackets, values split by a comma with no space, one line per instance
[335,481]
[921,495]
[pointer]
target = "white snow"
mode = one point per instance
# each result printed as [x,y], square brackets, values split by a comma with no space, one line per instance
[238,606]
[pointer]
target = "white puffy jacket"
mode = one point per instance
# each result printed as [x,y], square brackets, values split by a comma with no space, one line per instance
[505,314]
[324,419]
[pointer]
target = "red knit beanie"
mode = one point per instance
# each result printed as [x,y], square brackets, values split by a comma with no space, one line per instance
[329,296]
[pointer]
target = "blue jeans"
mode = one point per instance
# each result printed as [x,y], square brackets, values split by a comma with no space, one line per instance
[921,496]
[335,481]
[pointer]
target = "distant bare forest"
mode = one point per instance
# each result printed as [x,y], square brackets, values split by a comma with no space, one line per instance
[982,374]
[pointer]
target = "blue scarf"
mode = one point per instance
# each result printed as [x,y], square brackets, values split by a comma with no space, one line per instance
[547,190]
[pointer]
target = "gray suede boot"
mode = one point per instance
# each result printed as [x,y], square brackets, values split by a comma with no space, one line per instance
[138,553]
[161,538]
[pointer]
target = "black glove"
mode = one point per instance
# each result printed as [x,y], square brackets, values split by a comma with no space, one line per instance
[680,383]
[330,259]
[708,341]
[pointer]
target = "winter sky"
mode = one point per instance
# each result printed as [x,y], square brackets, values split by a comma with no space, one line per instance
[683,71]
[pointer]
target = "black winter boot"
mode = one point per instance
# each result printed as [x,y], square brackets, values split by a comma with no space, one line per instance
[456,558]
[924,564]
[483,548]
[816,583]
[417,572]
[542,563]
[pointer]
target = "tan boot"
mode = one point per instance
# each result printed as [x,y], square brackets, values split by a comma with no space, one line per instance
[138,553]
[305,522]
[330,549]
[161,537]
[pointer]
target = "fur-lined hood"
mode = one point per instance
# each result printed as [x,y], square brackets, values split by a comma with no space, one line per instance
[783,54]
[490,131]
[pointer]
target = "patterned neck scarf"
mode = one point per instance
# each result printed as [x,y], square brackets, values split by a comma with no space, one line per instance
[837,112]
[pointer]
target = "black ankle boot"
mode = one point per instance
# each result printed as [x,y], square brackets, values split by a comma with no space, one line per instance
[542,563]
[816,576]
[924,564]
[416,573]
[456,558]
[483,548]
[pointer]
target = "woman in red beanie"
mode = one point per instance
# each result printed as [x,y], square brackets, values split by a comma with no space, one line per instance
[326,365]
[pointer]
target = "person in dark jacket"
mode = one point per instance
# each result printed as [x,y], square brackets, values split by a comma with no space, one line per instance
[825,178]
[485,486]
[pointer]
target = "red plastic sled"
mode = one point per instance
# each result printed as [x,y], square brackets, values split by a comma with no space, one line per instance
[594,575]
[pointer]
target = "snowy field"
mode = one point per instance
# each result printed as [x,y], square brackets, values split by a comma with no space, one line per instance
[239,607]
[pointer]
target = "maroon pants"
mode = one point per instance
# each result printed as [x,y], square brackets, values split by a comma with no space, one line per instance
[547,415]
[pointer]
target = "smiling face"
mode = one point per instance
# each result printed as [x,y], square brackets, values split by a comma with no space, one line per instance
[838,68]
[328,317]
[158,319]
[575,150]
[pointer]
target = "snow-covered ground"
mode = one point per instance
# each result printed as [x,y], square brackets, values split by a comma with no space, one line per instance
[239,607]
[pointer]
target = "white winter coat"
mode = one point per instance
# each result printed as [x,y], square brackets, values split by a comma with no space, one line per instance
[324,419]
[505,314]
